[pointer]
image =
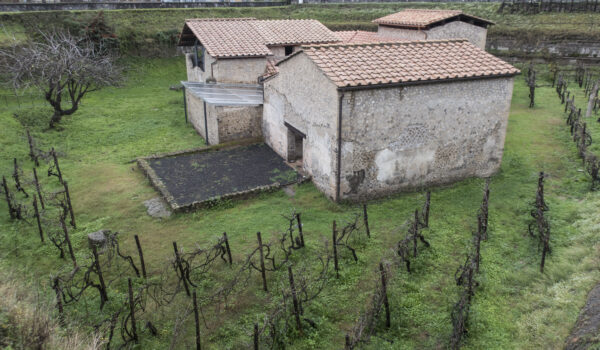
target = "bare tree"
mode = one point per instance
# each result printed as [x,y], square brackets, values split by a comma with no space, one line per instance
[64,67]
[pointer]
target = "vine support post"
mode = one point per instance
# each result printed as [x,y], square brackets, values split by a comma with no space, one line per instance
[11,211]
[71,213]
[262,262]
[141,254]
[227,248]
[103,294]
[32,154]
[181,271]
[38,188]
[335,255]
[37,217]
[256,336]
[386,303]
[300,232]
[68,239]
[132,311]
[59,304]
[415,229]
[427,205]
[60,178]
[295,300]
[197,320]
[366,220]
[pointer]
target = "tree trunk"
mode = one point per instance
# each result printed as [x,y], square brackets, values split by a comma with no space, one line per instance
[56,117]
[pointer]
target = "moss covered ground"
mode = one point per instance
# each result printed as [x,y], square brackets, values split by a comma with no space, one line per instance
[514,307]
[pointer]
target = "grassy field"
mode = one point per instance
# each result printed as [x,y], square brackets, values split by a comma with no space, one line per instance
[514,307]
[155,31]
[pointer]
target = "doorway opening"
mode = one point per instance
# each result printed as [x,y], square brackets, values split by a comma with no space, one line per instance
[295,149]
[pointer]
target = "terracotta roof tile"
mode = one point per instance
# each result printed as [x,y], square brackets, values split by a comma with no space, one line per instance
[362,37]
[248,37]
[271,68]
[398,62]
[421,18]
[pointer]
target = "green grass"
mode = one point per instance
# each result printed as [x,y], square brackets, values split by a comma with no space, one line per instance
[155,31]
[514,307]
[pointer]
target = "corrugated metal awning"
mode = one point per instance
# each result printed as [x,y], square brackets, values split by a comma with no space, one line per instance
[226,94]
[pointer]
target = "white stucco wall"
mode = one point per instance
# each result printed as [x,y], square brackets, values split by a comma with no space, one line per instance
[401,33]
[302,96]
[227,70]
[422,135]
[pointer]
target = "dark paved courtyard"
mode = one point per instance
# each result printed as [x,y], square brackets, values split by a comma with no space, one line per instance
[197,177]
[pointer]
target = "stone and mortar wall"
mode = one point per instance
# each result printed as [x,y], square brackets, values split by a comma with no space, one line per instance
[237,123]
[279,51]
[229,70]
[452,30]
[302,96]
[195,112]
[406,137]
[457,30]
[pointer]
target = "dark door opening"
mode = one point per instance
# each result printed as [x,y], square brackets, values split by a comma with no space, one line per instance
[295,144]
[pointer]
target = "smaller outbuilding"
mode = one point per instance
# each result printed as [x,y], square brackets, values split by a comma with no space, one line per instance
[423,24]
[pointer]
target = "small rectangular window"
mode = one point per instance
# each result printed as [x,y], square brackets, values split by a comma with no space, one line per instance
[289,50]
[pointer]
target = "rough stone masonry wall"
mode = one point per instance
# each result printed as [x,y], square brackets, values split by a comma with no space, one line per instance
[452,30]
[302,96]
[237,123]
[228,70]
[195,113]
[458,29]
[422,135]
[195,74]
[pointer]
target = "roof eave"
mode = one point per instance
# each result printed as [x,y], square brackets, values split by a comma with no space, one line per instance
[422,82]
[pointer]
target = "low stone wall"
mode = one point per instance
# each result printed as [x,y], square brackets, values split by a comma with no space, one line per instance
[71,6]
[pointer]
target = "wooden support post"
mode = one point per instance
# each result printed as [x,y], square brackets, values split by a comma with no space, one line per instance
[38,188]
[103,293]
[415,232]
[262,262]
[71,213]
[11,211]
[68,240]
[60,178]
[386,303]
[37,217]
[300,232]
[335,256]
[295,300]
[227,248]
[141,254]
[256,336]
[32,154]
[181,271]
[197,320]
[132,311]
[59,304]
[427,206]
[366,220]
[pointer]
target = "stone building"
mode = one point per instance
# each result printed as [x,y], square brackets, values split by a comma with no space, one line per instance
[367,120]
[225,59]
[421,24]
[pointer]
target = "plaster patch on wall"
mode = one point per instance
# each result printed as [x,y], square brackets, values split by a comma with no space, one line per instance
[392,166]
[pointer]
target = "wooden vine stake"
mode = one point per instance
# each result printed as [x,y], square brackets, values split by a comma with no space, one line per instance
[11,211]
[197,319]
[37,217]
[300,233]
[69,204]
[132,312]
[262,262]
[227,248]
[103,293]
[32,154]
[415,232]
[335,256]
[180,268]
[295,300]
[141,254]
[60,178]
[386,303]
[68,240]
[38,188]
[427,205]
[366,220]
[59,304]
[256,336]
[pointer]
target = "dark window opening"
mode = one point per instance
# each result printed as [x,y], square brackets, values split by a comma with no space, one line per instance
[198,58]
[289,50]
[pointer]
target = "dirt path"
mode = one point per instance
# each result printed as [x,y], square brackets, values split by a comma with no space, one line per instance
[586,333]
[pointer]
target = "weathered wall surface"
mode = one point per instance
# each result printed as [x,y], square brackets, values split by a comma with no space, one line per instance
[236,123]
[451,30]
[195,74]
[279,51]
[303,97]
[457,30]
[239,70]
[195,113]
[422,135]
[401,33]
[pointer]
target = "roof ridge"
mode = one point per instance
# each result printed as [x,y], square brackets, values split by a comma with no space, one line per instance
[432,10]
[381,43]
[220,19]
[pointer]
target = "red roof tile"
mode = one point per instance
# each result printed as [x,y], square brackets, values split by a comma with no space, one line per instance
[421,18]
[401,62]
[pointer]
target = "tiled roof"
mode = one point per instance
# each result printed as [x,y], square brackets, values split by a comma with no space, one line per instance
[363,37]
[248,37]
[271,68]
[421,18]
[351,65]
[294,31]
